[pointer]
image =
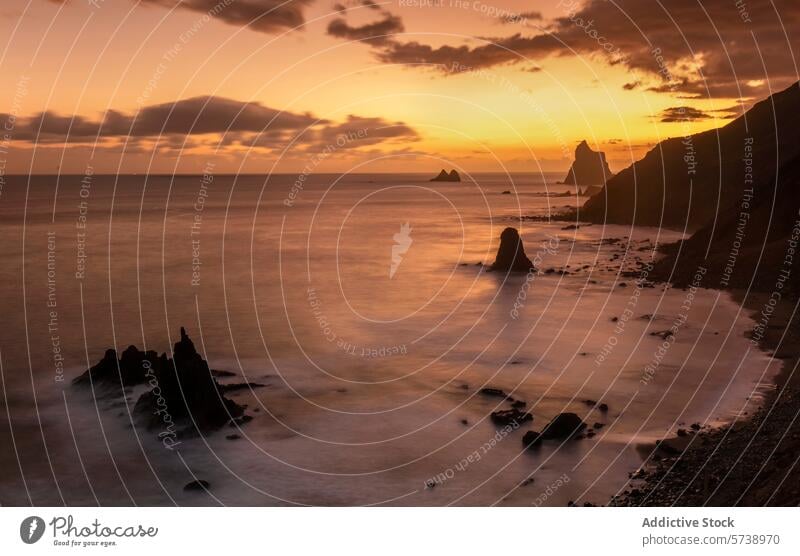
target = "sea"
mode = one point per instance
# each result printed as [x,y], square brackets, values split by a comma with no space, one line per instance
[364,306]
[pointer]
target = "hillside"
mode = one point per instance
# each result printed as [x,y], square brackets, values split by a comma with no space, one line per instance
[687,181]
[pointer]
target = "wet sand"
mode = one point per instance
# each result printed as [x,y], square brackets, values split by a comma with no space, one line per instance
[751,462]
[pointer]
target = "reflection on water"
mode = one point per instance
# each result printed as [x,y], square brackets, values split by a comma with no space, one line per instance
[360,303]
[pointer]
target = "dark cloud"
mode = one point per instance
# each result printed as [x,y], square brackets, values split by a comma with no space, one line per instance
[463,58]
[631,86]
[520,18]
[354,132]
[689,114]
[358,131]
[680,47]
[683,114]
[694,48]
[266,16]
[376,33]
[193,116]
[237,122]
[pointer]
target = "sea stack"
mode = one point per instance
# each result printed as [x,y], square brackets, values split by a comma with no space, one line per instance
[511,254]
[589,168]
[183,395]
[444,176]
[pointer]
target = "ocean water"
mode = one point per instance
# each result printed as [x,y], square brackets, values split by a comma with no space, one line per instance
[359,302]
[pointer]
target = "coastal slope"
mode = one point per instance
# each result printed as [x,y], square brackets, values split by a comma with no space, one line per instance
[686,181]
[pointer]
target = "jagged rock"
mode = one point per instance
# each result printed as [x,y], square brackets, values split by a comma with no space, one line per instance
[185,388]
[563,425]
[129,370]
[589,168]
[183,396]
[444,176]
[511,253]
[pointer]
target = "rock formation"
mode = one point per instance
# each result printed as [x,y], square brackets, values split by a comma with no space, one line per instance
[511,254]
[589,168]
[129,370]
[444,176]
[184,388]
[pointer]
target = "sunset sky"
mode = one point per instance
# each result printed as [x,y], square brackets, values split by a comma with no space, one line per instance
[404,85]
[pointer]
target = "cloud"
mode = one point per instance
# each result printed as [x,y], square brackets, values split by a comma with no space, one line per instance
[521,18]
[193,116]
[463,58]
[376,33]
[681,47]
[236,122]
[692,48]
[683,114]
[266,16]
[689,114]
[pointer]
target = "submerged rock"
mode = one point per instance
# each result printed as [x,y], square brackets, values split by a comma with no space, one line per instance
[197,485]
[510,417]
[493,392]
[511,254]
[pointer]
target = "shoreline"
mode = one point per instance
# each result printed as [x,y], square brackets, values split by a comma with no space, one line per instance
[749,462]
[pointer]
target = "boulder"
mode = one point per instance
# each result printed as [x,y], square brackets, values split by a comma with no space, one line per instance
[532,439]
[563,426]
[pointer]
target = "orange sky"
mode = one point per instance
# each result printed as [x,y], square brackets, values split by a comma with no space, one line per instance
[302,86]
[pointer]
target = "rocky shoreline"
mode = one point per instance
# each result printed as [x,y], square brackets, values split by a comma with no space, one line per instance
[750,462]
